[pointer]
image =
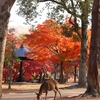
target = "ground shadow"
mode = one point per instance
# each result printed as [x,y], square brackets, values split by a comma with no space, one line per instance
[70,87]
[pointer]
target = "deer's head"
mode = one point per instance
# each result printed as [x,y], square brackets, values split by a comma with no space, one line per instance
[38,96]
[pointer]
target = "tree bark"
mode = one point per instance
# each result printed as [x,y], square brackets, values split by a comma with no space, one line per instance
[5,7]
[83,54]
[55,71]
[61,73]
[93,87]
[75,73]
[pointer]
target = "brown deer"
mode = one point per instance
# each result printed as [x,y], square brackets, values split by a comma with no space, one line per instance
[46,86]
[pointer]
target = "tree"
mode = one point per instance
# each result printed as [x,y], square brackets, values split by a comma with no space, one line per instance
[50,44]
[5,7]
[78,9]
[10,57]
[93,87]
[31,66]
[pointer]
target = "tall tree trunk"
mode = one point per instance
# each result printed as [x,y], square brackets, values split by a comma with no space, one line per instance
[94,57]
[55,71]
[61,73]
[5,6]
[75,73]
[10,75]
[83,55]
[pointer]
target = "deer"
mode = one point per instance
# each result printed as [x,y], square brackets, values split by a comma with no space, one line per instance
[46,86]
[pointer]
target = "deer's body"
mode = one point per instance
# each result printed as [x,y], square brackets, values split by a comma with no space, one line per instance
[48,85]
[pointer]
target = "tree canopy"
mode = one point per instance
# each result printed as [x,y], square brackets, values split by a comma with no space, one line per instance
[56,9]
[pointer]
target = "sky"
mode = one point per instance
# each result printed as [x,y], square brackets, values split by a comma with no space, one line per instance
[17,20]
[14,18]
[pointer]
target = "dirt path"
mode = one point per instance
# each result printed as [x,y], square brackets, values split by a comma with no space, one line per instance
[70,88]
[25,87]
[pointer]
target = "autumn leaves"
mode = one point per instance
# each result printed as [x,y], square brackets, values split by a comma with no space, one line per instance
[48,43]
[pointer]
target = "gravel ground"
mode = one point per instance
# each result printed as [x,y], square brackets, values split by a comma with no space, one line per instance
[24,91]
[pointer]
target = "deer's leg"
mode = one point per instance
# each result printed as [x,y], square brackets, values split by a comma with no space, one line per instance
[58,92]
[46,95]
[55,94]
